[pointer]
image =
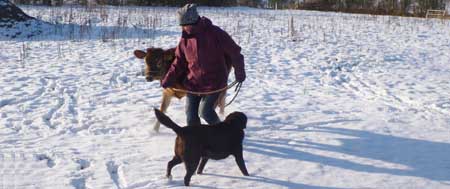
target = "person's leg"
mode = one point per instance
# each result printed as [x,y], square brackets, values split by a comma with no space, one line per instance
[207,111]
[192,104]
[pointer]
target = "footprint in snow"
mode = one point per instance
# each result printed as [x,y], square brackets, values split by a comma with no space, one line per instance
[79,183]
[43,157]
[83,164]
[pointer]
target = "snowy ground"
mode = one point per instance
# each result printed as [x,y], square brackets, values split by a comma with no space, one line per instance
[344,101]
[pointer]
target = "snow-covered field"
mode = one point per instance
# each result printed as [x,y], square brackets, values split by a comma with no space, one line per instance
[342,101]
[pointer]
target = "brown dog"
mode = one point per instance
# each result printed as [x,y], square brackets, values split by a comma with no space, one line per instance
[195,142]
[157,63]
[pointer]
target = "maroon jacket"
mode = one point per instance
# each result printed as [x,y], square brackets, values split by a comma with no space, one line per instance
[200,61]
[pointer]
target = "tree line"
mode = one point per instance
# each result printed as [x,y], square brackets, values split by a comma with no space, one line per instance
[391,7]
[178,3]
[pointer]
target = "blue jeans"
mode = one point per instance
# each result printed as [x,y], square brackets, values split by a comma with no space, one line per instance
[204,104]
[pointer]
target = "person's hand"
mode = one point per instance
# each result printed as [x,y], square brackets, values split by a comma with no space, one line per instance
[240,79]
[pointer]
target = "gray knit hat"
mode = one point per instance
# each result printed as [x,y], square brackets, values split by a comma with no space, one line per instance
[188,14]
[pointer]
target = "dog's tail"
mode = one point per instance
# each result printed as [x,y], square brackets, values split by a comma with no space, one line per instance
[165,120]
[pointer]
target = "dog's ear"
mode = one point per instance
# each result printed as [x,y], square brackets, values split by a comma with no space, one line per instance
[139,54]
[237,119]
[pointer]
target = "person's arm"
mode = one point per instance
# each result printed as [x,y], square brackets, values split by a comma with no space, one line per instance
[176,70]
[234,52]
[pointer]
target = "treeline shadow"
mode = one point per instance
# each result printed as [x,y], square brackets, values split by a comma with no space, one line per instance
[75,32]
[410,157]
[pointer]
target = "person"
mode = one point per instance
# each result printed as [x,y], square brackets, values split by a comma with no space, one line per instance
[202,61]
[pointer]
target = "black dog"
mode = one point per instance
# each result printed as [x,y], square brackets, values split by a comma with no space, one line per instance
[195,142]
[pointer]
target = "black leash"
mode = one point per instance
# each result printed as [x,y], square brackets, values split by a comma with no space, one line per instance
[237,89]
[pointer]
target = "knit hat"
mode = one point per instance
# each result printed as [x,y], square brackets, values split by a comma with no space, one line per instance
[188,14]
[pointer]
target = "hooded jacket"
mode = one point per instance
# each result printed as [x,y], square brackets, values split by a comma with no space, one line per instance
[202,59]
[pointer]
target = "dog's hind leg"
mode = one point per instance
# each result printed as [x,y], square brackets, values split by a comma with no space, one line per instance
[164,105]
[191,166]
[175,161]
[202,165]
[240,162]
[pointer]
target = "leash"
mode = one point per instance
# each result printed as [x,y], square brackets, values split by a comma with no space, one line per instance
[206,93]
[237,89]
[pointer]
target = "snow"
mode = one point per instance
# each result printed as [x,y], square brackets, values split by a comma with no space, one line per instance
[349,101]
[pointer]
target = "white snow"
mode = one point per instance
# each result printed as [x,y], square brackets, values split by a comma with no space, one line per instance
[350,101]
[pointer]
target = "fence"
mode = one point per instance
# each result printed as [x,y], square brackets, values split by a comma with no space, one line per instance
[435,14]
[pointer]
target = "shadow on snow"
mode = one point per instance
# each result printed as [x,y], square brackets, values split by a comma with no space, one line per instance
[61,32]
[422,158]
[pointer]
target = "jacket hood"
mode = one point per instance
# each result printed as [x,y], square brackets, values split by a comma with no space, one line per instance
[202,25]
[205,22]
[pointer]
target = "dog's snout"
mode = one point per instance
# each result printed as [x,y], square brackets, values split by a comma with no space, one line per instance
[148,78]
